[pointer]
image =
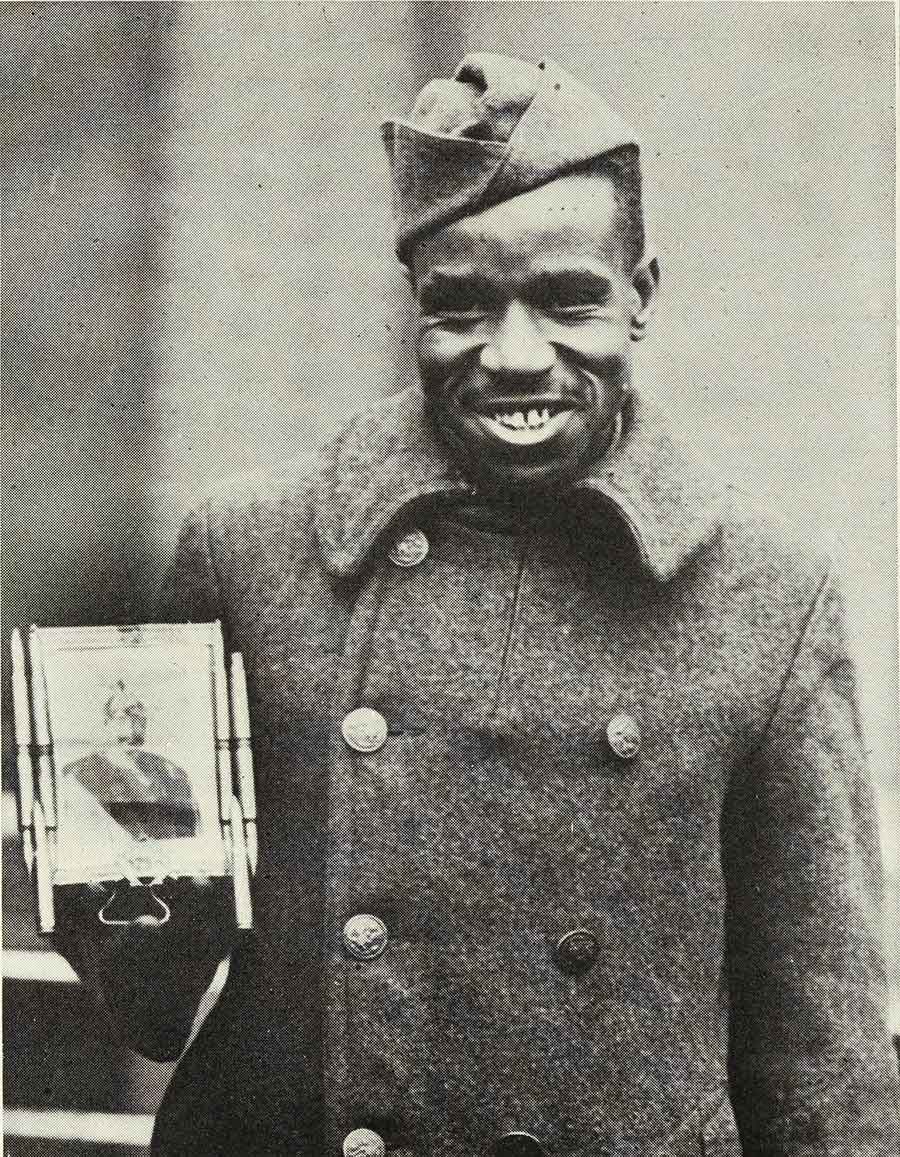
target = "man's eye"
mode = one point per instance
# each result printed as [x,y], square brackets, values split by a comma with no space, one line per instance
[457,314]
[460,307]
[581,312]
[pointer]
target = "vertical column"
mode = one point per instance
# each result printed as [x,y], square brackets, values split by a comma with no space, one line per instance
[82,178]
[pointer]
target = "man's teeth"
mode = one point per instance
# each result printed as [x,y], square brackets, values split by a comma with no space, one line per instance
[521,428]
[519,421]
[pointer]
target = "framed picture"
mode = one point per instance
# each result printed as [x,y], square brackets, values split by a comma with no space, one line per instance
[131,714]
[134,760]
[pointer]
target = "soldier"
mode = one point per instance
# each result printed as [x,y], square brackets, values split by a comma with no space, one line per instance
[144,793]
[567,846]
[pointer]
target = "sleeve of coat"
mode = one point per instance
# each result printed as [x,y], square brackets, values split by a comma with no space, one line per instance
[813,1071]
[190,590]
[150,982]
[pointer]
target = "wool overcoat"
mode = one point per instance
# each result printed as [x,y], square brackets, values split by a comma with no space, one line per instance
[725,987]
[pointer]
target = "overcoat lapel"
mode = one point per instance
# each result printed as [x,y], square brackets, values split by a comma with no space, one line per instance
[390,460]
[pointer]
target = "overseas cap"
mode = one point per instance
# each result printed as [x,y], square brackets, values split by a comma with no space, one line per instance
[499,128]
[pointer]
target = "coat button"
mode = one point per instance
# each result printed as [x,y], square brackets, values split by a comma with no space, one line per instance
[365,937]
[409,550]
[364,1143]
[624,736]
[577,952]
[517,1144]
[364,730]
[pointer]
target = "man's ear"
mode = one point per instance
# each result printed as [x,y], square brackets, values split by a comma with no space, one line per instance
[644,288]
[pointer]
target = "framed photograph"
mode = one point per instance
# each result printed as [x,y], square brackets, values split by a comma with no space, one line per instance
[133,729]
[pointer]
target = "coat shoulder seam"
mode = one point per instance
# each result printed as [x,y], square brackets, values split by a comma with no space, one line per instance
[795,654]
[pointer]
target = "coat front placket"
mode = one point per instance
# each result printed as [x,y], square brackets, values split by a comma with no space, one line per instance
[341,809]
[379,826]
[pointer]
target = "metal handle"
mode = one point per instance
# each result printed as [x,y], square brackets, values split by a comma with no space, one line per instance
[145,920]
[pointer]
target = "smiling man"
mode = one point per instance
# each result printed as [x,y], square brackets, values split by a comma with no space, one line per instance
[528,311]
[567,846]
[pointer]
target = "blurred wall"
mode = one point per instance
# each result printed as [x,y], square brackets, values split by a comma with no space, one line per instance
[284,295]
[83,225]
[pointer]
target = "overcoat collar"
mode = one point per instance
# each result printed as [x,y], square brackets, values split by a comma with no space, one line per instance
[388,459]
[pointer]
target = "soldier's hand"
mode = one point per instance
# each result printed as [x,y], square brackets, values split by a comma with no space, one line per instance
[149,973]
[108,915]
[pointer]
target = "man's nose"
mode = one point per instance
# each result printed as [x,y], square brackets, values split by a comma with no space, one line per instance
[518,345]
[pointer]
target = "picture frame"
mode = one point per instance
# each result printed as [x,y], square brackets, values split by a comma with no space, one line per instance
[134,758]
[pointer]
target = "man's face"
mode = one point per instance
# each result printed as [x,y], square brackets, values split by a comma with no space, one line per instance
[524,347]
[126,724]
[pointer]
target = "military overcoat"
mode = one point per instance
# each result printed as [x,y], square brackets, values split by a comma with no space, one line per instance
[716,857]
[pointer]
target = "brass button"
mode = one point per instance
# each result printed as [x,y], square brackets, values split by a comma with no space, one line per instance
[364,1143]
[364,730]
[518,1144]
[365,936]
[624,736]
[577,952]
[409,550]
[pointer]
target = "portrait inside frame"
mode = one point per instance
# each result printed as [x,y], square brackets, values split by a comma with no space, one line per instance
[131,716]
[135,760]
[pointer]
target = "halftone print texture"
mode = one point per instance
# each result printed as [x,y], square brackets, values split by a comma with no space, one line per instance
[567,809]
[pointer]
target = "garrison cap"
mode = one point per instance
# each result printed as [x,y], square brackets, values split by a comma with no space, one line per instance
[499,128]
